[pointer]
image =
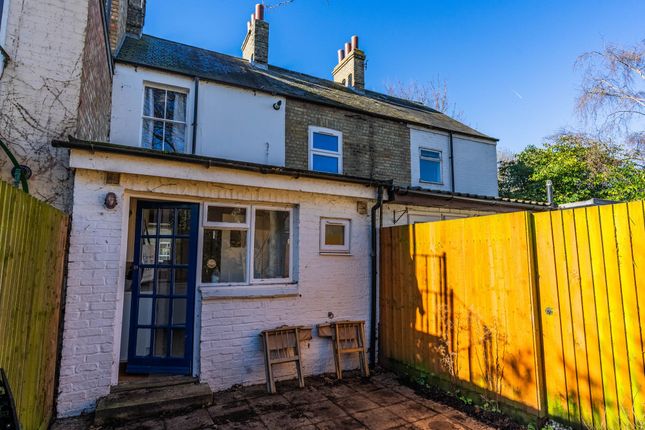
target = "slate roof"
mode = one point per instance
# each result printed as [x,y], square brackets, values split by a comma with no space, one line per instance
[176,57]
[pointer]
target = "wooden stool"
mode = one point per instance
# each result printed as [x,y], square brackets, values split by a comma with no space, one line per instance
[282,345]
[348,337]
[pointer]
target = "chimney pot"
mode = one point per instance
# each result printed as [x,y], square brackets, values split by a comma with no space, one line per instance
[255,47]
[341,55]
[350,70]
[259,12]
[354,42]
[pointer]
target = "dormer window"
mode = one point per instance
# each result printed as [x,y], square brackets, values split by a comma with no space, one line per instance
[325,150]
[164,120]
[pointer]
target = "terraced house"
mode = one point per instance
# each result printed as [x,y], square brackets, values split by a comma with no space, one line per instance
[234,196]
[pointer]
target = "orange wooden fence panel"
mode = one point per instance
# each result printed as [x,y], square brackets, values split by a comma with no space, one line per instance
[545,312]
[591,266]
[457,302]
[33,236]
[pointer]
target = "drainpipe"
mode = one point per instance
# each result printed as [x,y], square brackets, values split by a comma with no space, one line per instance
[374,253]
[452,166]
[195,114]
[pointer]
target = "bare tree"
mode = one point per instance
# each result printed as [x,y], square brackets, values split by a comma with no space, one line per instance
[613,92]
[433,94]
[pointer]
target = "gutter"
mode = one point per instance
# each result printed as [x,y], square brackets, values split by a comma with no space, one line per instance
[452,164]
[73,143]
[196,97]
[374,284]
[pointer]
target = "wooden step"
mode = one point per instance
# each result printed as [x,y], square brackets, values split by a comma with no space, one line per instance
[134,404]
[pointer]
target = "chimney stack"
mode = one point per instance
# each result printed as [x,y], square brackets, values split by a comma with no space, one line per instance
[136,17]
[350,70]
[256,43]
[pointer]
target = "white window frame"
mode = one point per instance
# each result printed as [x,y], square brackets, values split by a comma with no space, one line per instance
[336,249]
[440,161]
[178,90]
[252,278]
[337,154]
[249,227]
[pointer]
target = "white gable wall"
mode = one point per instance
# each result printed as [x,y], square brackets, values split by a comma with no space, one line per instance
[475,166]
[232,123]
[421,139]
[475,162]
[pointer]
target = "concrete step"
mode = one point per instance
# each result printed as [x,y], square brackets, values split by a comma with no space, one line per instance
[126,405]
[153,382]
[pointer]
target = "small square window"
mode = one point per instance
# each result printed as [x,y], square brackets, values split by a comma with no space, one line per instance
[334,236]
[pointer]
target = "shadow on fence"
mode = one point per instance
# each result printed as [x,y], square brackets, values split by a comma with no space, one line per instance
[540,314]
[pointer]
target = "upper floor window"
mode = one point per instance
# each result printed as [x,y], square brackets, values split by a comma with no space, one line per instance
[325,150]
[430,166]
[164,120]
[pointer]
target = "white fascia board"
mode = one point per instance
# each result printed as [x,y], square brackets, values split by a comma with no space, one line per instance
[126,164]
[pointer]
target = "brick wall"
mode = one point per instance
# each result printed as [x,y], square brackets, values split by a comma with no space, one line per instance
[39,90]
[229,343]
[119,9]
[96,80]
[372,147]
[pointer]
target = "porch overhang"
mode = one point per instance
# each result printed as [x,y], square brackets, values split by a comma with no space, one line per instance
[124,159]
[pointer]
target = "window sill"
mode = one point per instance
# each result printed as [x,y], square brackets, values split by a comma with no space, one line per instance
[260,291]
[339,254]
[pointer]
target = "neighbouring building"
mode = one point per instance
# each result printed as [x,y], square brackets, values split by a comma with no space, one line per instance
[233,196]
[55,81]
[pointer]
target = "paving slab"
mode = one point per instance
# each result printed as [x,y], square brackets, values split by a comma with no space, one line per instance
[357,403]
[198,419]
[287,420]
[411,411]
[379,419]
[270,403]
[377,403]
[386,397]
[346,423]
[322,411]
[302,396]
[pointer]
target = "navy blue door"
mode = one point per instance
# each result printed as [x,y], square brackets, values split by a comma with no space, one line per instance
[163,288]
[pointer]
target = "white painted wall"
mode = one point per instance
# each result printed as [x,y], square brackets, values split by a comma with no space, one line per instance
[40,89]
[435,141]
[232,123]
[238,124]
[475,166]
[475,162]
[229,345]
[127,101]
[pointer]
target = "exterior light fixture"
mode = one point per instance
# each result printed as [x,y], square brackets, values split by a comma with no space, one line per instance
[110,200]
[277,105]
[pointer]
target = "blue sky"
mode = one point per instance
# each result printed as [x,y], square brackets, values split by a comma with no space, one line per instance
[509,64]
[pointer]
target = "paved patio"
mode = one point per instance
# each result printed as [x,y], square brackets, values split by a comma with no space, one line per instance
[378,403]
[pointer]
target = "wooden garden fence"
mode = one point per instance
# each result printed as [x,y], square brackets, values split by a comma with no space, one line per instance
[540,313]
[33,239]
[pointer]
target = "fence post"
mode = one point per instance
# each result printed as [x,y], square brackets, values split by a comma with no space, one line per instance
[537,316]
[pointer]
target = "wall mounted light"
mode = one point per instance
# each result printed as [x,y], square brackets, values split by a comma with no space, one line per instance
[277,105]
[110,200]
